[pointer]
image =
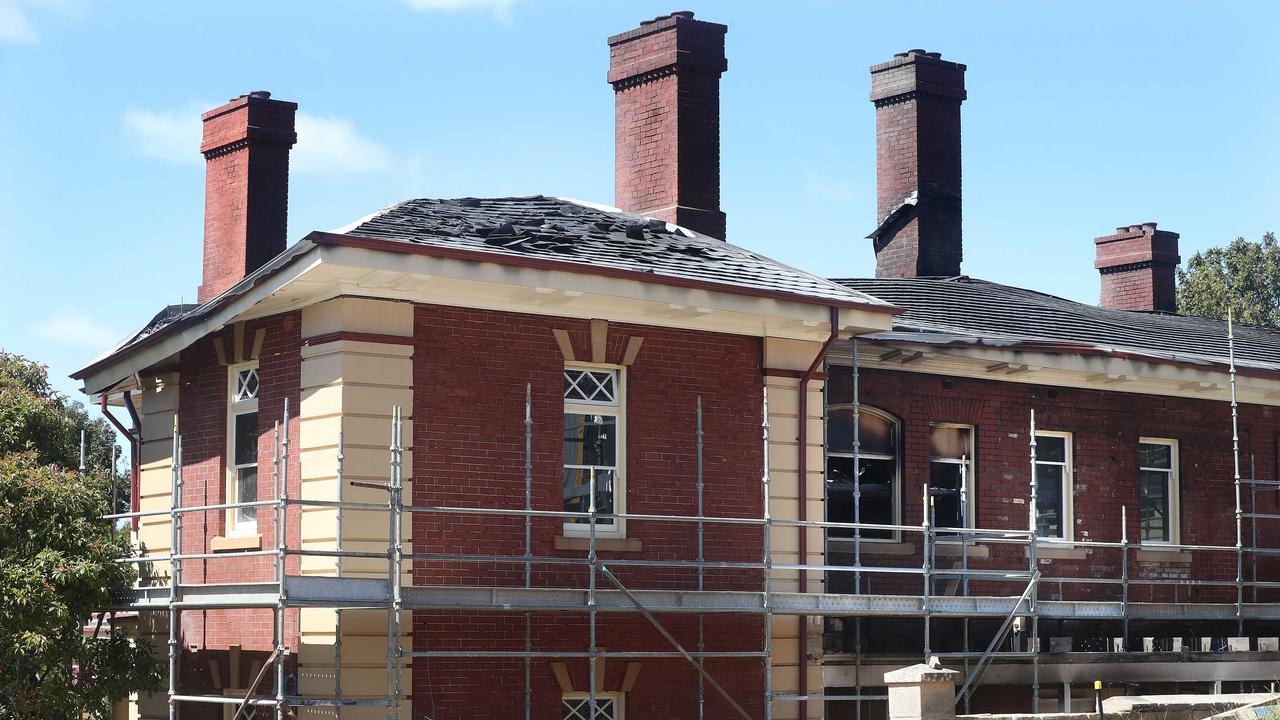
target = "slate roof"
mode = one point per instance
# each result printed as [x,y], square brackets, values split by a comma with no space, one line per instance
[964,307]
[571,231]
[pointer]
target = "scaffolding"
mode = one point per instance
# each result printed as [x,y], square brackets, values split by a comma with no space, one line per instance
[342,592]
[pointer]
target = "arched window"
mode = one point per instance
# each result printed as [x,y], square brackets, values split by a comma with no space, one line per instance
[879,440]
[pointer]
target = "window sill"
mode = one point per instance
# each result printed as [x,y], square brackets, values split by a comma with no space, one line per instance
[574,542]
[1157,554]
[952,548]
[1055,551]
[220,543]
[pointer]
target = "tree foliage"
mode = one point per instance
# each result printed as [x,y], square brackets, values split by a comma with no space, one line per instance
[1243,277]
[58,557]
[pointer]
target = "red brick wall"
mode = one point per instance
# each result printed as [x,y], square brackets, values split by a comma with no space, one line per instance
[202,417]
[471,369]
[667,145]
[1105,429]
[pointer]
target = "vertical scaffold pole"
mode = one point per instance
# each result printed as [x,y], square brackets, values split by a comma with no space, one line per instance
[1235,460]
[337,637]
[175,565]
[1034,638]
[591,596]
[702,696]
[926,510]
[767,560]
[1124,577]
[395,558]
[857,529]
[528,546]
[282,519]
[1253,526]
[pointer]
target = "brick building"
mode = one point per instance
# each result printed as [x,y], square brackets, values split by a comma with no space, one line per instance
[390,464]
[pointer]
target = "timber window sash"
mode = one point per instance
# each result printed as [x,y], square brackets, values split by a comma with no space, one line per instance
[951,475]
[879,475]
[1054,486]
[577,706]
[594,443]
[1158,491]
[243,387]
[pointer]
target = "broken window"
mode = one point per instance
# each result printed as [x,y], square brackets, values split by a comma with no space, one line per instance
[875,481]
[951,476]
[1158,490]
[1053,485]
[242,447]
[593,447]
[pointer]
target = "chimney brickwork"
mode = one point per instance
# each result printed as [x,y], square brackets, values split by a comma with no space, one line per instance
[1138,266]
[917,96]
[666,80]
[246,148]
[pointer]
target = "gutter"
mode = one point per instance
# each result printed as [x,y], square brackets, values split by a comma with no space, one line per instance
[802,471]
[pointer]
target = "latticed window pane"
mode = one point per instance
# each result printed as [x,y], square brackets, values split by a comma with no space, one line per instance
[579,708]
[593,386]
[246,385]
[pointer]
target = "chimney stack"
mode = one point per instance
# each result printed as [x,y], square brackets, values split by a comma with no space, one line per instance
[246,198]
[917,96]
[666,81]
[1137,264]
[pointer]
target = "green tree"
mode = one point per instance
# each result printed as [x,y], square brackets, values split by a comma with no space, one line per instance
[1243,277]
[58,558]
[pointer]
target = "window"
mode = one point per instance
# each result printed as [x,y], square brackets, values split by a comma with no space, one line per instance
[877,470]
[609,706]
[242,447]
[594,447]
[1053,485]
[1158,490]
[951,477]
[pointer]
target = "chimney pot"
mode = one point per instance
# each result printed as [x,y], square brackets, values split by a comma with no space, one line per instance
[1138,267]
[917,96]
[246,148]
[666,81]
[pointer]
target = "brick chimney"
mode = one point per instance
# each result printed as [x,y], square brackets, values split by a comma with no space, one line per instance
[666,81]
[246,196]
[1137,265]
[917,96]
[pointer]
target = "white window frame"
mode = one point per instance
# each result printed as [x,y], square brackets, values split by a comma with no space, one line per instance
[1068,487]
[1173,490]
[619,701]
[971,475]
[235,408]
[896,489]
[618,409]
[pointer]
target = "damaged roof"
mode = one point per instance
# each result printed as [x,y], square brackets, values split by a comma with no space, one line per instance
[963,309]
[571,231]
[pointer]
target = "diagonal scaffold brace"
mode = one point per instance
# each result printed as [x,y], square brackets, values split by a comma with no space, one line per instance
[696,663]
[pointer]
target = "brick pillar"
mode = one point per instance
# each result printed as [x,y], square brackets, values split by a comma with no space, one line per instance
[917,97]
[666,81]
[246,197]
[1138,265]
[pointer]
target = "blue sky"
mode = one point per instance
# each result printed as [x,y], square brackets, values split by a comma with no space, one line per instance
[1081,116]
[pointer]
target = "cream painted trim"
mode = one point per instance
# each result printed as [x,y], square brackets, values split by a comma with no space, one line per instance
[599,340]
[566,345]
[971,474]
[220,351]
[1155,554]
[619,699]
[218,543]
[231,490]
[1175,491]
[1049,550]
[619,529]
[1068,486]
[562,677]
[259,336]
[633,350]
[629,678]
[237,342]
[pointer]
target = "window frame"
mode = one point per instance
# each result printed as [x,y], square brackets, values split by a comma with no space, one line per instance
[619,701]
[1068,519]
[235,408]
[895,490]
[618,528]
[970,476]
[1172,489]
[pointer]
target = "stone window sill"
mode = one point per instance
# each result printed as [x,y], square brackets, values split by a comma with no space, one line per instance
[1163,555]
[220,543]
[573,542]
[1054,551]
[944,548]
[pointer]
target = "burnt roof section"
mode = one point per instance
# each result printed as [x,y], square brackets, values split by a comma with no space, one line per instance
[968,307]
[557,229]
